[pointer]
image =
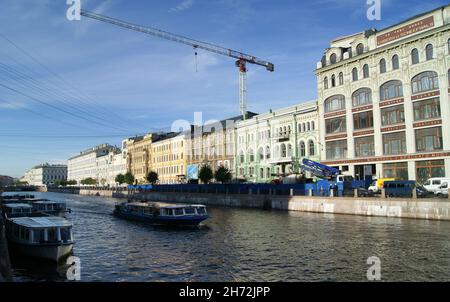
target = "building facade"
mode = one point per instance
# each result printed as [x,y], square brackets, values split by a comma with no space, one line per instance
[109,166]
[169,157]
[272,145]
[139,152]
[384,103]
[87,163]
[45,174]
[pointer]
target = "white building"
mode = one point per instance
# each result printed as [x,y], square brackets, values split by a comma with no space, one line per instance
[384,103]
[45,174]
[273,144]
[109,166]
[91,163]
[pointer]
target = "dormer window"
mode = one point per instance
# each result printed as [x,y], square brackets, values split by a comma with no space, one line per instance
[360,49]
[333,58]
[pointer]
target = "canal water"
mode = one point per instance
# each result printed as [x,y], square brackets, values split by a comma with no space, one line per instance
[246,245]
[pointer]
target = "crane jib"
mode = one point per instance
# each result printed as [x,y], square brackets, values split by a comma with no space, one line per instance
[180,39]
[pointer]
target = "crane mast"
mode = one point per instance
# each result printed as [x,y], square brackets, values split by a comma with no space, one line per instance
[242,58]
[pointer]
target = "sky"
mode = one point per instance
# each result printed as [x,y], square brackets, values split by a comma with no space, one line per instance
[66,86]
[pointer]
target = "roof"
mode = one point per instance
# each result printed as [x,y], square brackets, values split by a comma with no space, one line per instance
[18,205]
[42,222]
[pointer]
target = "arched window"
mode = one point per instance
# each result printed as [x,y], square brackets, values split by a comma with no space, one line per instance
[355,74]
[267,152]
[299,127]
[333,81]
[366,71]
[325,83]
[302,149]
[333,58]
[312,148]
[382,66]
[395,62]
[251,155]
[341,78]
[414,56]
[308,125]
[429,52]
[283,150]
[362,96]
[334,103]
[360,49]
[390,90]
[289,150]
[261,154]
[448,45]
[303,127]
[313,126]
[242,157]
[425,81]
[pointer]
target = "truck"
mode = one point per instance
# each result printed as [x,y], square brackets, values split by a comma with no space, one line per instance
[377,185]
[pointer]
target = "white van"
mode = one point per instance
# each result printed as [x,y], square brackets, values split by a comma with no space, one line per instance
[433,184]
[443,190]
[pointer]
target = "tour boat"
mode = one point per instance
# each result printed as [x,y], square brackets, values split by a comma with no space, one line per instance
[161,213]
[47,238]
[55,208]
[14,210]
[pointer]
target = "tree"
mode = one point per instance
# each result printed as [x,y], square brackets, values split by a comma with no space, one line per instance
[205,174]
[152,177]
[89,181]
[129,178]
[71,182]
[120,178]
[223,175]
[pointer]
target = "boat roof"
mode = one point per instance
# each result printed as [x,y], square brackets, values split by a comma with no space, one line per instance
[164,205]
[48,202]
[17,205]
[42,222]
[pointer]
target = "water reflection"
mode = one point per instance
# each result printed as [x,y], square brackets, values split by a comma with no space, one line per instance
[248,245]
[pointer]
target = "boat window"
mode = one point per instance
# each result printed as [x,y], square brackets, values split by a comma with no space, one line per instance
[179,211]
[52,235]
[169,212]
[65,234]
[38,235]
[189,211]
[148,211]
[201,210]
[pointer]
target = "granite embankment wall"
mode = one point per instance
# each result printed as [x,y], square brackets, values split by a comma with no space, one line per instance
[5,266]
[433,209]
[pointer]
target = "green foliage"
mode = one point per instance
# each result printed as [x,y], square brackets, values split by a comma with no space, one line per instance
[205,174]
[223,175]
[152,177]
[120,178]
[89,181]
[71,182]
[129,178]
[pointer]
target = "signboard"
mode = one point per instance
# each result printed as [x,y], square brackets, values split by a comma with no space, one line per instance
[405,30]
[192,172]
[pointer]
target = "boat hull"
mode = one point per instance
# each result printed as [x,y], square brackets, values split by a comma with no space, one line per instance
[49,252]
[163,220]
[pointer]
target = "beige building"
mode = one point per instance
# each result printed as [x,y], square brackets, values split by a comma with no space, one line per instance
[169,157]
[384,105]
[139,152]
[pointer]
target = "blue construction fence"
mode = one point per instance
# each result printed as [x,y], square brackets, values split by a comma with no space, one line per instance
[319,188]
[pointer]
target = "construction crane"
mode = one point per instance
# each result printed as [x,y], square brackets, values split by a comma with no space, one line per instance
[242,58]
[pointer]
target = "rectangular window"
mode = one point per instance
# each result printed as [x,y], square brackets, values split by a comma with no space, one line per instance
[336,149]
[429,139]
[428,169]
[398,171]
[427,109]
[363,120]
[393,115]
[394,143]
[364,146]
[336,125]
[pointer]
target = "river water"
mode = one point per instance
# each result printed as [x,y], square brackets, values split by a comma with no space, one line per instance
[246,245]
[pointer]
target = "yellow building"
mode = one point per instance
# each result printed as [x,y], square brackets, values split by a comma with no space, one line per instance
[169,157]
[139,156]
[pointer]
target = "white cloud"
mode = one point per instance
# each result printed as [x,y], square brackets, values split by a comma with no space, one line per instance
[11,105]
[184,5]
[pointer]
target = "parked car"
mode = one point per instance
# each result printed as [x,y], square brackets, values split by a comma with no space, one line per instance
[442,191]
[433,184]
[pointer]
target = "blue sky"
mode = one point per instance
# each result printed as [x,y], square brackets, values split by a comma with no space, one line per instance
[99,83]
